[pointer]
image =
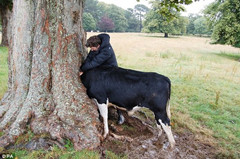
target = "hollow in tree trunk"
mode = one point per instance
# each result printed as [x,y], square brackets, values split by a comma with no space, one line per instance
[5,14]
[44,90]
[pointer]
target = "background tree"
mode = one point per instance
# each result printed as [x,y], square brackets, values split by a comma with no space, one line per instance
[5,14]
[124,20]
[117,15]
[89,23]
[190,26]
[132,21]
[180,25]
[44,91]
[92,7]
[224,18]
[140,11]
[106,24]
[200,26]
[157,23]
[168,8]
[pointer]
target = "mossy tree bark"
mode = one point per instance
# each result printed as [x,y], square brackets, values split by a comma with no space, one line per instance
[44,90]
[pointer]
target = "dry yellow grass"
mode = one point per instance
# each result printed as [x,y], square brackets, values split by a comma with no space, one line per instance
[139,42]
[186,55]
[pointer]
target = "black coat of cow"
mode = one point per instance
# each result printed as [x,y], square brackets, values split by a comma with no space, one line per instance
[128,89]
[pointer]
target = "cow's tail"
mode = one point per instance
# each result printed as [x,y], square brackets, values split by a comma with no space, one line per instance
[168,102]
[168,109]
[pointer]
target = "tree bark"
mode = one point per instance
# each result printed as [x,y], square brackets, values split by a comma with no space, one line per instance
[166,35]
[5,18]
[44,90]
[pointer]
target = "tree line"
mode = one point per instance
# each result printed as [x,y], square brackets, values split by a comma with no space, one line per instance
[99,16]
[220,19]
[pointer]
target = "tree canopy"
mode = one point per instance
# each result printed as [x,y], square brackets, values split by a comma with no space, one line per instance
[224,18]
[89,23]
[106,24]
[168,8]
[140,10]
[102,13]
[200,26]
[155,22]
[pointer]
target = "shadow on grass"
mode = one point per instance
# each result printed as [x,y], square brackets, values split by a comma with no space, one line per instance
[231,56]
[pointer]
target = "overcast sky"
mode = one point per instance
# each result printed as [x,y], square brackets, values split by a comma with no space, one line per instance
[195,7]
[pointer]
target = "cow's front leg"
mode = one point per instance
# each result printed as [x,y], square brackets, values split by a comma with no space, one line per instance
[103,108]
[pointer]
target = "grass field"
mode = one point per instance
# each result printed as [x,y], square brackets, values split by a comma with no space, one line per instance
[3,71]
[205,82]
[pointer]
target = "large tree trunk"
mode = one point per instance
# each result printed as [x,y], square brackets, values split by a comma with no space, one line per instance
[166,35]
[5,18]
[44,90]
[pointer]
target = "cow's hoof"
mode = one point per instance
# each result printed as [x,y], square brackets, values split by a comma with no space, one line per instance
[172,146]
[105,136]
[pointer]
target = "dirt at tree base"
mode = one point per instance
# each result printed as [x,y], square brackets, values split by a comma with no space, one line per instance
[139,141]
[146,144]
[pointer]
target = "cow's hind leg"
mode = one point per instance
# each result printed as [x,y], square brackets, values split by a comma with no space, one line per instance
[164,122]
[160,130]
[103,109]
[168,131]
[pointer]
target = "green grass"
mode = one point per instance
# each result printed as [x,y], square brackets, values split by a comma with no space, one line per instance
[230,56]
[205,91]
[111,155]
[210,99]
[55,152]
[3,70]
[212,106]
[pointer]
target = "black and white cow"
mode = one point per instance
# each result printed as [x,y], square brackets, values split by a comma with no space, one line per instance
[131,90]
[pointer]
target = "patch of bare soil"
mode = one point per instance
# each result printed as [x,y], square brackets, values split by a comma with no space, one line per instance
[146,144]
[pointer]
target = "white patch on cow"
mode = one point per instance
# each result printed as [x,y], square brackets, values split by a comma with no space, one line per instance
[160,130]
[168,131]
[168,109]
[103,108]
[131,112]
